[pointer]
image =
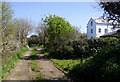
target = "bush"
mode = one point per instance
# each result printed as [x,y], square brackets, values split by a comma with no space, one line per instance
[63,53]
[33,55]
[83,48]
[104,66]
[34,45]
[87,47]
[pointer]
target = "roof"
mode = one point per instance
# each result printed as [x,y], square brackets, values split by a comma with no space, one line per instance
[102,20]
[112,34]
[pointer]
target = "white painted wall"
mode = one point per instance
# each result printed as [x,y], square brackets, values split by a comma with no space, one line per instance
[89,27]
[103,27]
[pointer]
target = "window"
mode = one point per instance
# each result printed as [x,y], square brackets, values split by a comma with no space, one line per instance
[99,30]
[105,30]
[113,27]
[91,30]
[91,23]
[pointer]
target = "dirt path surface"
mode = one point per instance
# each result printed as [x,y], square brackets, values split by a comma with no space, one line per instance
[48,70]
[22,69]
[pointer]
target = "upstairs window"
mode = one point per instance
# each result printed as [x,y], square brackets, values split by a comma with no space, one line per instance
[91,23]
[105,30]
[99,30]
[91,30]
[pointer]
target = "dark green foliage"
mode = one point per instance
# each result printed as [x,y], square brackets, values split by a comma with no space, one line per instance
[83,48]
[34,41]
[103,66]
[87,47]
[63,53]
[33,55]
[111,9]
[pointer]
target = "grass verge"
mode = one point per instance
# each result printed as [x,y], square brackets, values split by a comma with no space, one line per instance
[0,68]
[13,60]
[65,65]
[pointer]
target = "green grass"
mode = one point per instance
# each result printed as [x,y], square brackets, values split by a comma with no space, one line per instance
[45,52]
[33,55]
[35,68]
[42,46]
[13,60]
[0,68]
[67,65]
[64,65]
[36,71]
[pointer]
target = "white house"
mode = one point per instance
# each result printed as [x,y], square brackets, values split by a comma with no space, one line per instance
[97,27]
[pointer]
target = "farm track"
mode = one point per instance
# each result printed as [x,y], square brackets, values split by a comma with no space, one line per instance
[22,71]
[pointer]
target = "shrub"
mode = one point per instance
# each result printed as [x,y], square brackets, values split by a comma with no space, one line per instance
[83,48]
[88,47]
[63,53]
[104,66]
[33,55]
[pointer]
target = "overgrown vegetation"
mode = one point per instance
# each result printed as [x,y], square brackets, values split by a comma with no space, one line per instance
[103,66]
[82,48]
[66,65]
[34,41]
[33,55]
[81,58]
[102,63]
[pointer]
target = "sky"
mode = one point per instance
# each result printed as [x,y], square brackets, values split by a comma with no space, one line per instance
[77,13]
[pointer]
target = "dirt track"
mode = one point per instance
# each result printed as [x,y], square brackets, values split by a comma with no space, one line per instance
[48,70]
[22,71]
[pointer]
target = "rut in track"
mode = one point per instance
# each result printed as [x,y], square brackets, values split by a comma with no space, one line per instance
[48,70]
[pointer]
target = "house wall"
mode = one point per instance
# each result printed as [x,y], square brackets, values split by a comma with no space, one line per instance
[103,27]
[89,27]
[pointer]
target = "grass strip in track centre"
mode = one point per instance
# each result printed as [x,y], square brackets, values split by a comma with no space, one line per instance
[34,67]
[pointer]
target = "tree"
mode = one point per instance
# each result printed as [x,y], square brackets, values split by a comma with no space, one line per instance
[13,32]
[82,35]
[58,30]
[41,30]
[23,27]
[7,13]
[111,10]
